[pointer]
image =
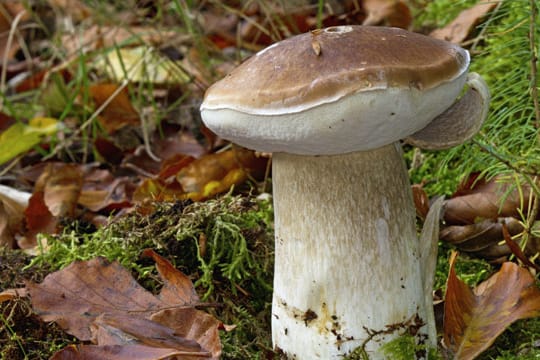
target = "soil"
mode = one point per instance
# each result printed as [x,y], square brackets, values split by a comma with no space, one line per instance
[22,334]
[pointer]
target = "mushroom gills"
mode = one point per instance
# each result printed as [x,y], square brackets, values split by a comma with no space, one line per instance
[459,122]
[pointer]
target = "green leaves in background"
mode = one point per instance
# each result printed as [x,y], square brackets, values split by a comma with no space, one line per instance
[19,137]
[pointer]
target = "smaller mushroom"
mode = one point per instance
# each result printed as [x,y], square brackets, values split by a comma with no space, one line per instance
[350,270]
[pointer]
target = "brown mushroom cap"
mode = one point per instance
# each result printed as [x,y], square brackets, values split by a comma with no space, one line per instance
[290,74]
[335,90]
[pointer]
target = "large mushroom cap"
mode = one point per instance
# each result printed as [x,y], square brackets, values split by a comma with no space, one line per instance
[336,90]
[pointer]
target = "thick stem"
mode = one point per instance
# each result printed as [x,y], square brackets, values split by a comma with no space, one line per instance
[348,269]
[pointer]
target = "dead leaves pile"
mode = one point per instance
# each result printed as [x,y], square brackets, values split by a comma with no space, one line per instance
[481,211]
[100,303]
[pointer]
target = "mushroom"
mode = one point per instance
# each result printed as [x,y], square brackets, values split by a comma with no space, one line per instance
[332,106]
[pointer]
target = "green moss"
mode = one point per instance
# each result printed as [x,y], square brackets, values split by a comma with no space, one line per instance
[225,245]
[404,347]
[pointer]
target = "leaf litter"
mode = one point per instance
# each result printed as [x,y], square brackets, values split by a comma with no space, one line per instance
[184,169]
[100,302]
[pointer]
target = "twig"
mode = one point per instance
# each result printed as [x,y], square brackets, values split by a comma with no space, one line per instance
[534,59]
[99,110]
[505,161]
[12,32]
[92,117]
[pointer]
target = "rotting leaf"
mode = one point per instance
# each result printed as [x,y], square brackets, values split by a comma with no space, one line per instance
[474,319]
[100,301]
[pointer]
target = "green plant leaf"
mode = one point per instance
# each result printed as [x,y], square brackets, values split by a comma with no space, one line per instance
[20,137]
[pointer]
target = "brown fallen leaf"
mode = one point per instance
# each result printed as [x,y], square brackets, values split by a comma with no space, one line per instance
[9,11]
[387,12]
[12,206]
[474,319]
[112,328]
[177,287]
[117,108]
[11,294]
[459,29]
[99,301]
[216,173]
[481,235]
[101,36]
[102,190]
[118,352]
[157,190]
[478,199]
[516,250]
[61,186]
[183,177]
[421,200]
[38,220]
[74,9]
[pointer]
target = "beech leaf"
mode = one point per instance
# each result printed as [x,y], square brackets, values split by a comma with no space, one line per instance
[99,301]
[474,319]
[485,199]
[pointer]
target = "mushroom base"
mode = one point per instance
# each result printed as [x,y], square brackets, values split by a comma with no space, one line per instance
[348,269]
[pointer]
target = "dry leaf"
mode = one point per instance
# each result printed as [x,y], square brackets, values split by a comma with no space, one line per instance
[11,294]
[117,352]
[12,206]
[481,199]
[101,190]
[474,319]
[39,220]
[118,110]
[75,9]
[387,12]
[157,190]
[421,200]
[99,301]
[8,12]
[215,173]
[97,37]
[61,186]
[460,28]
[516,250]
[481,235]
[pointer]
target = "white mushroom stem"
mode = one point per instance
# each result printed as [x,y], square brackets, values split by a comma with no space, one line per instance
[348,267]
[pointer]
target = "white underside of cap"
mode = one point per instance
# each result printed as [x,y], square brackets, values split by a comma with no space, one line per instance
[358,122]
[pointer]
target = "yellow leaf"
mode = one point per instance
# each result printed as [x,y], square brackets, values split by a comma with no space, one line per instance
[19,138]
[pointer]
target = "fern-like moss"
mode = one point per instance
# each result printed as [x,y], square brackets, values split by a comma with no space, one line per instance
[508,141]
